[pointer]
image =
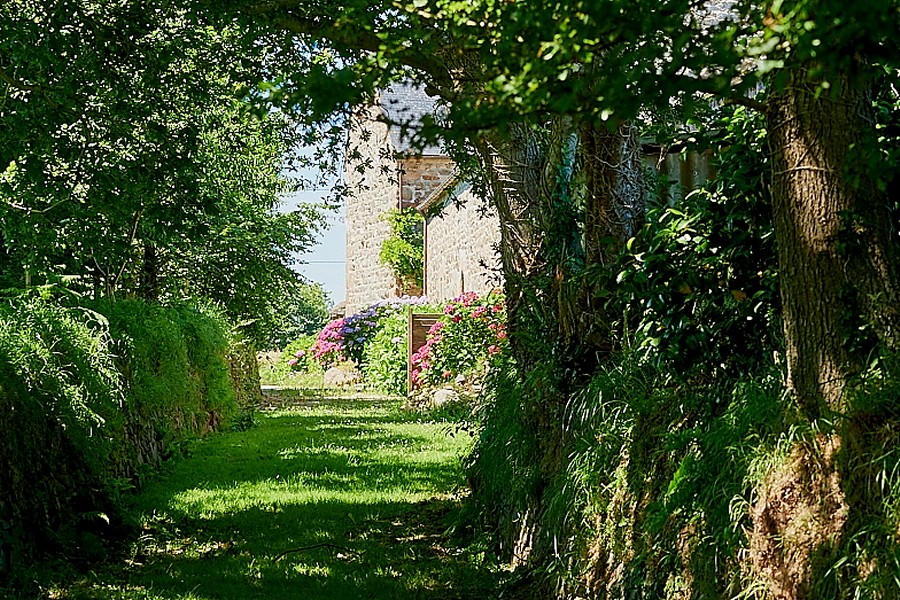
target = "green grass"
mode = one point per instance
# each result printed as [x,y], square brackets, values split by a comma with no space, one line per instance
[324,499]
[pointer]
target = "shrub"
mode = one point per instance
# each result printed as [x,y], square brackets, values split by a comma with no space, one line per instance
[173,362]
[297,356]
[345,340]
[60,401]
[696,290]
[328,349]
[87,397]
[469,339]
[384,357]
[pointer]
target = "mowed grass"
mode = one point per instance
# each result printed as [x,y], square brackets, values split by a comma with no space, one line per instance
[323,499]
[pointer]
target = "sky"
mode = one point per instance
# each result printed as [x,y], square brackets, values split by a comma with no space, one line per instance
[325,262]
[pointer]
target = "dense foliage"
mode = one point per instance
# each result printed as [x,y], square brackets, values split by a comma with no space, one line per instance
[385,355]
[345,339]
[468,339]
[403,250]
[641,407]
[695,291]
[92,398]
[132,167]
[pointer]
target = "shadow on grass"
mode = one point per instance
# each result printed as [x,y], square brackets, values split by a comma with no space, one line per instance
[338,500]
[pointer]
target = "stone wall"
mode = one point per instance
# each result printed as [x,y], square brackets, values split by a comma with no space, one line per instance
[372,180]
[460,254]
[422,175]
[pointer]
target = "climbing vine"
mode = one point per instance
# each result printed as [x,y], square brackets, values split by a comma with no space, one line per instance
[403,250]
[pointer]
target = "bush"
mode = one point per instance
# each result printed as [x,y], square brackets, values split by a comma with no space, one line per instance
[87,398]
[345,340]
[60,402]
[469,339]
[297,357]
[329,349]
[403,250]
[176,378]
[384,357]
[696,290]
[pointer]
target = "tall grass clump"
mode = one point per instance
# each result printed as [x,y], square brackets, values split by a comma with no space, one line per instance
[648,493]
[865,561]
[658,481]
[503,469]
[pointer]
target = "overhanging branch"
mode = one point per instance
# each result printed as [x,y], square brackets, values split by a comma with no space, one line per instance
[343,36]
[18,83]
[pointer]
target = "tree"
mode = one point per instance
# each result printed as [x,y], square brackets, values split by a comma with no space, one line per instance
[134,167]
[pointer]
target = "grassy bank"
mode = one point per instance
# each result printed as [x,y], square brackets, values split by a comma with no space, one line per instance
[323,499]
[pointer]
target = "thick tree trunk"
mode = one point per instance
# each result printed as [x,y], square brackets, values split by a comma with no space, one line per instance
[150,273]
[614,207]
[614,189]
[530,172]
[837,260]
[838,276]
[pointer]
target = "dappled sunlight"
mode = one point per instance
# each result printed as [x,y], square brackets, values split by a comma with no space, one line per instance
[336,500]
[299,489]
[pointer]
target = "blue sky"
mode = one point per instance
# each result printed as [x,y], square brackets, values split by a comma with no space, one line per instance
[325,262]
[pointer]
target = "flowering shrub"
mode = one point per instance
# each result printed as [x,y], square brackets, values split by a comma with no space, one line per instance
[345,339]
[328,349]
[297,356]
[469,338]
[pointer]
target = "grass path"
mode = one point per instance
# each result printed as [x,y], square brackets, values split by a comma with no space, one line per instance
[328,499]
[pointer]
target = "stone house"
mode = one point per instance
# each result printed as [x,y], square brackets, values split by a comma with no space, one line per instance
[383,172]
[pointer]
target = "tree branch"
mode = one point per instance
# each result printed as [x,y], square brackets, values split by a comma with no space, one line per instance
[18,83]
[708,86]
[14,82]
[346,37]
[748,102]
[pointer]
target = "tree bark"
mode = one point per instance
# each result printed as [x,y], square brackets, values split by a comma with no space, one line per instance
[150,273]
[614,182]
[839,281]
[833,227]
[550,229]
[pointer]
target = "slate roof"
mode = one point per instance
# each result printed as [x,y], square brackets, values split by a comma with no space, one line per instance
[404,106]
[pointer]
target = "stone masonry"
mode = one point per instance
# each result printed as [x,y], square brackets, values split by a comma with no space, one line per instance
[461,235]
[420,176]
[383,172]
[371,178]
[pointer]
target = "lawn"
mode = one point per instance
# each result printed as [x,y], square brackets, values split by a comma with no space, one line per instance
[322,499]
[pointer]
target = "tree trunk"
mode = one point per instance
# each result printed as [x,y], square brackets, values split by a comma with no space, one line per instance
[614,182]
[614,207]
[530,170]
[839,280]
[150,273]
[833,227]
